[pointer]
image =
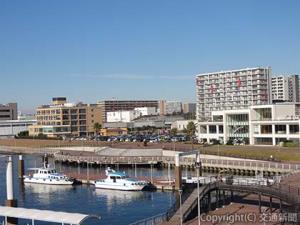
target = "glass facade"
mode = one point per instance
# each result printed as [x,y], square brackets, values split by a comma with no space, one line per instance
[263,114]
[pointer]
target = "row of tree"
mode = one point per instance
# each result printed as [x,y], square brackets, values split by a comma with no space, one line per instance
[190,130]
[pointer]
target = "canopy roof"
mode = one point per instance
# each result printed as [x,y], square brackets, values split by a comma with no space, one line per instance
[45,215]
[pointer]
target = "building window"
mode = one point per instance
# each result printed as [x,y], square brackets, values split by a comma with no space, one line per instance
[203,129]
[294,129]
[263,114]
[221,129]
[280,129]
[212,129]
[266,129]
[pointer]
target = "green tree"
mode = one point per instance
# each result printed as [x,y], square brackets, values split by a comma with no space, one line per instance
[97,128]
[190,129]
[173,131]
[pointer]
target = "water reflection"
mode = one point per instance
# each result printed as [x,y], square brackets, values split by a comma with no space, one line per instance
[115,197]
[45,192]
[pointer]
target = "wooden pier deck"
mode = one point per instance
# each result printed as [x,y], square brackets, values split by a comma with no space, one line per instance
[235,166]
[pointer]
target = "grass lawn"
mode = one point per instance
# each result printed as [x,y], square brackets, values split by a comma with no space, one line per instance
[289,154]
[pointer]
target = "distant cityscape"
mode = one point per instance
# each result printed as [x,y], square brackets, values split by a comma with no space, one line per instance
[244,106]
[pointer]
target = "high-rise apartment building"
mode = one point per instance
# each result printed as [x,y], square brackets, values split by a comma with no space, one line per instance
[9,111]
[285,88]
[124,105]
[62,119]
[189,108]
[234,89]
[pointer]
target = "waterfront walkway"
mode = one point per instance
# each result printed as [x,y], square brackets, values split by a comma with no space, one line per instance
[282,193]
[145,157]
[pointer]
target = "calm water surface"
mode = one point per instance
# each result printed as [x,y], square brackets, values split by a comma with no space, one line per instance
[114,207]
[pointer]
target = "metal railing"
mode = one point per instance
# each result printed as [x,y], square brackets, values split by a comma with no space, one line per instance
[221,163]
[157,219]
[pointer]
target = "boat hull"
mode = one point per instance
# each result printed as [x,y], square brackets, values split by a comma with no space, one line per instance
[47,181]
[120,187]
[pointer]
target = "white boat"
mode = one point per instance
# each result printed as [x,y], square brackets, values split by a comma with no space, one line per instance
[119,181]
[47,175]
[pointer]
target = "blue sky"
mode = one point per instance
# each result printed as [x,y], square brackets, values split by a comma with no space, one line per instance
[136,49]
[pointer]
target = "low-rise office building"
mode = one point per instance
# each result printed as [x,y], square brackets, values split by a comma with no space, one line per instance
[124,105]
[10,128]
[122,116]
[129,115]
[257,125]
[9,111]
[64,119]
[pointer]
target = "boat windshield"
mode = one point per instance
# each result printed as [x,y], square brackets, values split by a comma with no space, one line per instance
[132,179]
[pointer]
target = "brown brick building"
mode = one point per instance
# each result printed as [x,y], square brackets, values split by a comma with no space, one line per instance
[66,119]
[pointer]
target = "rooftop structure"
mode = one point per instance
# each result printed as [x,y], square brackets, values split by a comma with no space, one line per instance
[44,215]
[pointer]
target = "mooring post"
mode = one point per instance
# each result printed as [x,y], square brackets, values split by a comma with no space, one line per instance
[21,167]
[178,178]
[10,202]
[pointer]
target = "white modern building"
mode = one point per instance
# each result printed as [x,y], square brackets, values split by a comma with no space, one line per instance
[122,116]
[13,127]
[285,88]
[257,125]
[129,115]
[232,90]
[146,111]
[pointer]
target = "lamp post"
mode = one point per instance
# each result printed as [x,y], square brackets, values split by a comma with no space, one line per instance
[180,208]
[198,166]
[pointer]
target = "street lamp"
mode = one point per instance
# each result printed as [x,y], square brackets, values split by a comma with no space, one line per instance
[180,193]
[198,166]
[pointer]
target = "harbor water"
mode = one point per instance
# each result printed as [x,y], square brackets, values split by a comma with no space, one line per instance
[114,207]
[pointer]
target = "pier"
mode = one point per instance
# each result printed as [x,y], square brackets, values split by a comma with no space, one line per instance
[209,164]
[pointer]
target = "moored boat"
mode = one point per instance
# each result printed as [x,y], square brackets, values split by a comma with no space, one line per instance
[120,181]
[47,175]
